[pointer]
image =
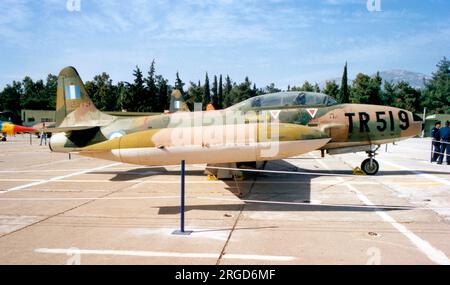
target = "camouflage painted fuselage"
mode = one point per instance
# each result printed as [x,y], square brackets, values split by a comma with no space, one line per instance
[245,132]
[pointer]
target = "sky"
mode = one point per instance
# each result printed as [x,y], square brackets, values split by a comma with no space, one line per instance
[281,41]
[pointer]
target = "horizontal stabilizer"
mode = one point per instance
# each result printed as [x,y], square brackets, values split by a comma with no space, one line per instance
[68,129]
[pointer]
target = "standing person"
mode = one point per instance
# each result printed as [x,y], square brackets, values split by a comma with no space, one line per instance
[43,135]
[435,142]
[445,143]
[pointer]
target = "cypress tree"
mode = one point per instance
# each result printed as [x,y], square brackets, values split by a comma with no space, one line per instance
[220,94]
[138,92]
[344,94]
[215,98]
[152,102]
[227,99]
[206,92]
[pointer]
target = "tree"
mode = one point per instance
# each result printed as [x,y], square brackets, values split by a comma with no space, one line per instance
[241,92]
[253,91]
[162,86]
[10,98]
[331,89]
[344,96]
[366,89]
[139,93]
[271,89]
[151,100]
[215,93]
[51,86]
[34,95]
[102,92]
[228,100]
[124,95]
[220,94]
[388,95]
[206,92]
[316,88]
[307,86]
[407,97]
[179,84]
[195,93]
[360,89]
[437,89]
[375,90]
[27,93]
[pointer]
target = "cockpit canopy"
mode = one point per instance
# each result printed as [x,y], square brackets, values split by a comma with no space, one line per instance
[285,100]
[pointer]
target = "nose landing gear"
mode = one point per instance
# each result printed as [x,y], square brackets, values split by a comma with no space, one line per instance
[370,166]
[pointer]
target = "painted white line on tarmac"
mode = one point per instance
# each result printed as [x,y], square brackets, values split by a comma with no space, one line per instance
[91,198]
[20,180]
[425,247]
[424,175]
[161,254]
[38,171]
[122,170]
[140,182]
[191,182]
[133,181]
[431,252]
[58,178]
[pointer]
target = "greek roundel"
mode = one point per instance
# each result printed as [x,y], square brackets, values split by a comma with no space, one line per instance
[73,92]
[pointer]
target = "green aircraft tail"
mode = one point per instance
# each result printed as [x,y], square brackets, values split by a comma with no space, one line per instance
[177,103]
[74,108]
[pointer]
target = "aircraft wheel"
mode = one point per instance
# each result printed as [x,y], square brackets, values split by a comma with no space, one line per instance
[370,166]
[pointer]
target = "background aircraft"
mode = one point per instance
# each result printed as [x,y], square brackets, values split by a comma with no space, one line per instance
[7,128]
[305,122]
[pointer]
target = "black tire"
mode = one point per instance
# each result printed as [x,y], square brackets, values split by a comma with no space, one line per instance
[370,166]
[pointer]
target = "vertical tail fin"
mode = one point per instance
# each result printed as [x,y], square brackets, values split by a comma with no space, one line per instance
[177,103]
[73,105]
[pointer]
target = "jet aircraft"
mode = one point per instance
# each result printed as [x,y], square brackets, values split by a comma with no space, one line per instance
[7,128]
[262,128]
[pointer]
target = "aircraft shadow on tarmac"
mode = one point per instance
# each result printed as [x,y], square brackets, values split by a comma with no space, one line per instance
[260,187]
[138,173]
[277,192]
[135,174]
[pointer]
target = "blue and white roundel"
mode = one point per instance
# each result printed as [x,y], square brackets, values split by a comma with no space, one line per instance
[116,134]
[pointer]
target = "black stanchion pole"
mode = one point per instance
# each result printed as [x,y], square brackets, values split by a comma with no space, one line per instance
[182,202]
[432,149]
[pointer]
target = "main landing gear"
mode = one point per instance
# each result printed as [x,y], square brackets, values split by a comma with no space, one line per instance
[370,166]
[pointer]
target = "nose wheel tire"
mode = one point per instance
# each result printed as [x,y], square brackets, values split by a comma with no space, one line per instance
[370,166]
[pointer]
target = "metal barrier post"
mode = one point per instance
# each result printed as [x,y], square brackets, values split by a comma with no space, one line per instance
[432,150]
[182,203]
